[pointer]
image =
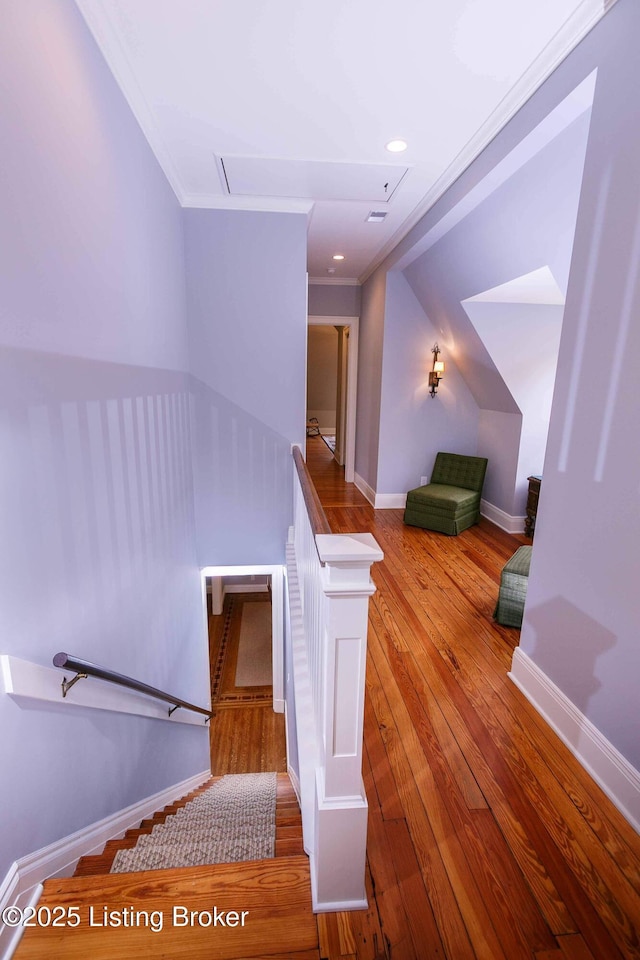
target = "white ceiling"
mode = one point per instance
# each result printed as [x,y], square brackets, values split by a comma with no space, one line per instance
[329,82]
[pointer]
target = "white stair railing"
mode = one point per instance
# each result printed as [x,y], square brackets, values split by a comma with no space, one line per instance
[329,588]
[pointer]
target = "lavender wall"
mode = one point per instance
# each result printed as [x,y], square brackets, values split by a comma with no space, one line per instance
[92,255]
[247,321]
[413,425]
[334,300]
[526,223]
[370,343]
[523,340]
[499,436]
[96,505]
[583,606]
[242,474]
[247,311]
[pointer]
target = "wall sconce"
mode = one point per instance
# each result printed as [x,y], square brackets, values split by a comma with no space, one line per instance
[436,372]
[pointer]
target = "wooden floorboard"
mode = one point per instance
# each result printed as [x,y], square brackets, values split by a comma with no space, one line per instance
[274,894]
[487,839]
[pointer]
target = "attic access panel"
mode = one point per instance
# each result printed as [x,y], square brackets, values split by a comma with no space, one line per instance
[310,179]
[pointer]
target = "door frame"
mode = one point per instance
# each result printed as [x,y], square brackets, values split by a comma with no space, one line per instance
[277,616]
[352,386]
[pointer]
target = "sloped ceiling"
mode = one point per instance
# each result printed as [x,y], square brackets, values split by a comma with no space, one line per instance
[513,247]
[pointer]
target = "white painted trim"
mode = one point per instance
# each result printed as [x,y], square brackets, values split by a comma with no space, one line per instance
[398,501]
[613,772]
[352,385]
[336,906]
[576,103]
[295,783]
[10,937]
[33,681]
[390,501]
[241,588]
[211,201]
[107,37]
[276,572]
[380,501]
[501,519]
[365,489]
[334,281]
[23,881]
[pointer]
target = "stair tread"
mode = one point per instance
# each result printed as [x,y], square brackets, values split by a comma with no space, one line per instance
[276,894]
[288,827]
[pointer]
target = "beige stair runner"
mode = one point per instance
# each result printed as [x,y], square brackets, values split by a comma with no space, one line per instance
[253,909]
[234,820]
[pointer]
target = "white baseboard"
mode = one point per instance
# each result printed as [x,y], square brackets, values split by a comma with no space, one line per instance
[380,501]
[337,906]
[390,501]
[32,681]
[365,489]
[10,936]
[295,783]
[501,519]
[613,772]
[23,881]
[398,501]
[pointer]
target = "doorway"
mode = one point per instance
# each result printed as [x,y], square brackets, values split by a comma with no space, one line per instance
[218,581]
[346,380]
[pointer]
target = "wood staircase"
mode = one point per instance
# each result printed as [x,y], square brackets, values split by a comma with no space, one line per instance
[250,910]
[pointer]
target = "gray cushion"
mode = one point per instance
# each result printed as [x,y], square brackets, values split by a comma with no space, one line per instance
[514,580]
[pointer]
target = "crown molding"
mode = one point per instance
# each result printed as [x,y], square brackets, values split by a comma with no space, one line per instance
[207,201]
[566,112]
[334,282]
[106,36]
[575,28]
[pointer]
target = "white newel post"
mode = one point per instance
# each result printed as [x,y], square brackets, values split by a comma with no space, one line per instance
[338,874]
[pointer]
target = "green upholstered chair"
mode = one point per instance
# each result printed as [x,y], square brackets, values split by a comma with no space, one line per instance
[514,581]
[450,502]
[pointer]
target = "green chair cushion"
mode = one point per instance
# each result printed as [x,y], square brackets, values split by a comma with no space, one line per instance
[457,470]
[451,501]
[442,498]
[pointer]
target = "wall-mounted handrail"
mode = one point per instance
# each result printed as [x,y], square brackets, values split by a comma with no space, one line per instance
[82,669]
[317,517]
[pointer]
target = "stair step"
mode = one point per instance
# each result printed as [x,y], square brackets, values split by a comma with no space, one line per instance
[274,894]
[289,848]
[288,828]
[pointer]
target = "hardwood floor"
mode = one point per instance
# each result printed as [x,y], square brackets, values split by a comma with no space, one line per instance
[487,840]
[246,736]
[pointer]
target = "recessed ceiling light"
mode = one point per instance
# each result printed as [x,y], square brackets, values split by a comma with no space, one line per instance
[396,146]
[376,216]
[338,256]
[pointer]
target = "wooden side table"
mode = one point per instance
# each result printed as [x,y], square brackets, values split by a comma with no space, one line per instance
[532,505]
